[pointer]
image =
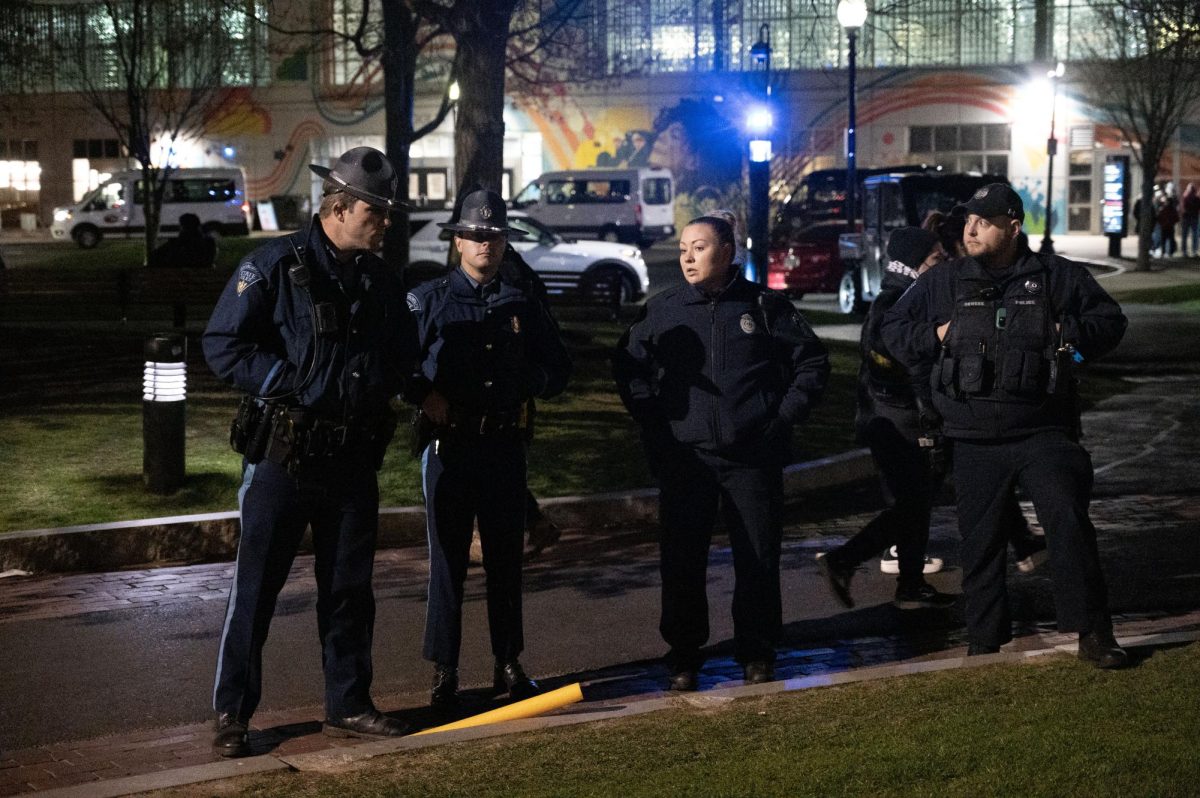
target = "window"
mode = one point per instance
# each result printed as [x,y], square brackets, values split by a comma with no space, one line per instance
[96,148]
[920,139]
[964,148]
[346,66]
[560,192]
[602,191]
[200,190]
[656,191]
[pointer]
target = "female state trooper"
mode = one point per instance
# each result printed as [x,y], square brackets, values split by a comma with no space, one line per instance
[487,347]
[1002,329]
[313,327]
[716,372]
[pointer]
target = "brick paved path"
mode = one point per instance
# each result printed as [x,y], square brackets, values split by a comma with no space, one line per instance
[816,645]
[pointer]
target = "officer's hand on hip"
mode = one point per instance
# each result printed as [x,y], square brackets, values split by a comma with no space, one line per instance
[436,408]
[942,330]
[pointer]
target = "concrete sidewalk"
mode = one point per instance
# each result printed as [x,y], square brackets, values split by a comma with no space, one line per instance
[1148,522]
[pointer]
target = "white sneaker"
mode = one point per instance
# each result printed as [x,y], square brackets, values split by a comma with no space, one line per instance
[889,563]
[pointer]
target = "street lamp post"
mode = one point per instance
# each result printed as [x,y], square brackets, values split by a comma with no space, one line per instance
[851,15]
[759,124]
[1054,75]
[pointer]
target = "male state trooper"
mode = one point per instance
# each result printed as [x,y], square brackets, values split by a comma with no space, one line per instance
[487,346]
[1003,329]
[313,327]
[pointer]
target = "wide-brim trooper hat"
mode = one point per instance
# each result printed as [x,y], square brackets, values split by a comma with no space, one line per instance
[365,173]
[483,211]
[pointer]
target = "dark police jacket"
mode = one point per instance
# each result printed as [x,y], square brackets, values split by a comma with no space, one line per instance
[486,355]
[998,374]
[728,373]
[886,389]
[261,334]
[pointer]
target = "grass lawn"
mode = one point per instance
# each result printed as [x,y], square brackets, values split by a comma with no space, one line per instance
[71,444]
[1187,296]
[1049,727]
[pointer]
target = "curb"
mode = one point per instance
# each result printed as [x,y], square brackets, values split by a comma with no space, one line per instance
[213,536]
[341,757]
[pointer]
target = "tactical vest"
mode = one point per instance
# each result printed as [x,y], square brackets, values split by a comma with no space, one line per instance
[1002,343]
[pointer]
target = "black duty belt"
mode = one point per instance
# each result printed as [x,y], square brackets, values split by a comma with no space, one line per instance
[301,437]
[488,423]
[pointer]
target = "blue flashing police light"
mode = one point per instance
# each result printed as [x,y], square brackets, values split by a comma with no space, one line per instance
[760,120]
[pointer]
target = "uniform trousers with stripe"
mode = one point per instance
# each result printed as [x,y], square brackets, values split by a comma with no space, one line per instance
[341,503]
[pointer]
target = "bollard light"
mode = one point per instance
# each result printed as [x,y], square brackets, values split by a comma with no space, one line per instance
[164,416]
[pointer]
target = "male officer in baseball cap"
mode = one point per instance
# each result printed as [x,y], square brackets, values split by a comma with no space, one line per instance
[488,346]
[314,329]
[1003,330]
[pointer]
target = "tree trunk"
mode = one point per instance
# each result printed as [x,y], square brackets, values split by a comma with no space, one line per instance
[482,39]
[399,62]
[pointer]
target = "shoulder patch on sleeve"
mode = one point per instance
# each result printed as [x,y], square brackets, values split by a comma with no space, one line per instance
[247,276]
[414,302]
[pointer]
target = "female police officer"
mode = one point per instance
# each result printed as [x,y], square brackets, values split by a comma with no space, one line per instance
[716,372]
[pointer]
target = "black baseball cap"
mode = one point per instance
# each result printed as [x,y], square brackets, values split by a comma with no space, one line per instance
[911,246]
[996,199]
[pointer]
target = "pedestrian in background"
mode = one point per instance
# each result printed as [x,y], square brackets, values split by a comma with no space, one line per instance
[716,372]
[1168,217]
[1189,219]
[1003,330]
[314,329]
[487,347]
[894,417]
[191,249]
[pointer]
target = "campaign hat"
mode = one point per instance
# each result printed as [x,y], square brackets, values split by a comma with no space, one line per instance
[365,173]
[483,211]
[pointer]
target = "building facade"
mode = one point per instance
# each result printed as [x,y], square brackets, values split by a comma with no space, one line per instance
[957,83]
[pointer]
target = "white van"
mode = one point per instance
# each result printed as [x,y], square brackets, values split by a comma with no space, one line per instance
[217,196]
[635,206]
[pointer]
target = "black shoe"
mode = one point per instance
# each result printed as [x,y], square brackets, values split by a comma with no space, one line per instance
[232,736]
[1101,649]
[684,681]
[542,534]
[837,578]
[445,686]
[920,596]
[510,678]
[371,723]
[758,672]
[979,649]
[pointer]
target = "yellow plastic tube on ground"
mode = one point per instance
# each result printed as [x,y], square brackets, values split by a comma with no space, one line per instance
[530,707]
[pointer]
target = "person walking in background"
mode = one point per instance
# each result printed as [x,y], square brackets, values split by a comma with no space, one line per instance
[716,372]
[894,418]
[313,328]
[1002,330]
[487,347]
[1189,219]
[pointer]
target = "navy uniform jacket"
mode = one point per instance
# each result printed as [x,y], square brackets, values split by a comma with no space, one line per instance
[485,355]
[260,336]
[1002,340]
[728,374]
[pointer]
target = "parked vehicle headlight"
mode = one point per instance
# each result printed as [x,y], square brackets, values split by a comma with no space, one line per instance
[631,253]
[61,214]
